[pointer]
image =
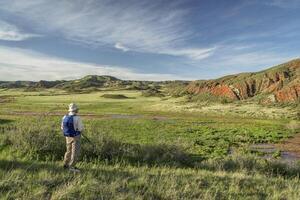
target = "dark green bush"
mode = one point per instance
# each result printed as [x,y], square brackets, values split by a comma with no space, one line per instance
[114,96]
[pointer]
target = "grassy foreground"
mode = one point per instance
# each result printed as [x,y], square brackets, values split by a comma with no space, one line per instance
[138,150]
[46,180]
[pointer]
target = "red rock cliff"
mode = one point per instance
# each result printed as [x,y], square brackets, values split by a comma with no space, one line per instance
[281,82]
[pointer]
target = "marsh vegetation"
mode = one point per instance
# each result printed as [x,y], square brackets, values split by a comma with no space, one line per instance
[171,149]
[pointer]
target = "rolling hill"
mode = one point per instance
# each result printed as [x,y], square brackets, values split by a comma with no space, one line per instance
[90,82]
[277,84]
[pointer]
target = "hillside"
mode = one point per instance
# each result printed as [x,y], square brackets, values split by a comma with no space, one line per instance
[90,82]
[277,84]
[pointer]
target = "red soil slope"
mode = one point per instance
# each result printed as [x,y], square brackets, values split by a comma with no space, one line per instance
[277,84]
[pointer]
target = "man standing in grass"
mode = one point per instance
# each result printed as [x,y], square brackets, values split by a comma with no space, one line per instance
[72,127]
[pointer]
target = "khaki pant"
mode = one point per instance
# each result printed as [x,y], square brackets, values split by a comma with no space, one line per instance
[73,150]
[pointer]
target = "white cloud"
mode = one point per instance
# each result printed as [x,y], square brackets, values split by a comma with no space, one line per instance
[121,47]
[10,32]
[193,53]
[142,26]
[20,64]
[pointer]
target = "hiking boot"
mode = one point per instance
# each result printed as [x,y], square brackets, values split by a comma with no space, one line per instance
[74,169]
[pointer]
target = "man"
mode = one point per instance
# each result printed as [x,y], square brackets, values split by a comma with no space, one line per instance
[72,127]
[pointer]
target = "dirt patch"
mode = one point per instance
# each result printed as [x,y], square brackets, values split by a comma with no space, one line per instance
[118,116]
[160,118]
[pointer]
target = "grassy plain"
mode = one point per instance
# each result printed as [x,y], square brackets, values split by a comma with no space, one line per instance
[143,148]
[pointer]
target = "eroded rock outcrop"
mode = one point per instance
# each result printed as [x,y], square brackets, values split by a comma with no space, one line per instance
[280,84]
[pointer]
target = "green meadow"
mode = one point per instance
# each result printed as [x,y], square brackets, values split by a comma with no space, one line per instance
[142,147]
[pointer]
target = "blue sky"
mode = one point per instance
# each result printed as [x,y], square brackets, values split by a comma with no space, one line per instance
[145,40]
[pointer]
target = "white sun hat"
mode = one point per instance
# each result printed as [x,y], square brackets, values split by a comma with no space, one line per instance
[73,107]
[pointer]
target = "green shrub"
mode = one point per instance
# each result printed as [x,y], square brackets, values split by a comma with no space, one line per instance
[114,96]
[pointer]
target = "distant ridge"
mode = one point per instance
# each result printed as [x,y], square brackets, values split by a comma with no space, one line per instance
[89,82]
[277,84]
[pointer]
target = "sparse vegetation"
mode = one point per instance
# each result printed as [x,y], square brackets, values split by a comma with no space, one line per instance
[208,97]
[293,125]
[176,88]
[152,93]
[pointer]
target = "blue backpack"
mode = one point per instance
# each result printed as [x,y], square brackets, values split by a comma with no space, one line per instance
[68,127]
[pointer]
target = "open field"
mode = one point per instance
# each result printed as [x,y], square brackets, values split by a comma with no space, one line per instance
[144,148]
[149,100]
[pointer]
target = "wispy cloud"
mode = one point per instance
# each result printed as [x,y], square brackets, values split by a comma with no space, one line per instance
[193,53]
[31,65]
[142,26]
[10,32]
[121,47]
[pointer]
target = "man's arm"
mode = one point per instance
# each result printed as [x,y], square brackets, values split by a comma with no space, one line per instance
[79,124]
